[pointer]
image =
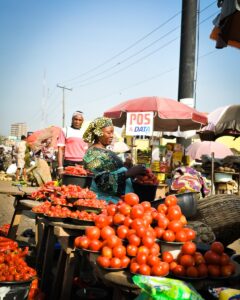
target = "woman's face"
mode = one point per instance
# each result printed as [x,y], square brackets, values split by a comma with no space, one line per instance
[77,121]
[107,137]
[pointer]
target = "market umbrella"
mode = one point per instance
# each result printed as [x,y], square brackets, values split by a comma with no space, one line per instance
[37,138]
[197,149]
[223,121]
[170,115]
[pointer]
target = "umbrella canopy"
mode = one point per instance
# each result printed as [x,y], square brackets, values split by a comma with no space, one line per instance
[170,115]
[197,149]
[224,121]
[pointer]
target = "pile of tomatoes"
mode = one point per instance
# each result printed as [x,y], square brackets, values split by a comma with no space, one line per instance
[4,229]
[76,170]
[148,178]
[213,263]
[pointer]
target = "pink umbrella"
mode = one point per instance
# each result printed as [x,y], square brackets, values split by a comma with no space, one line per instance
[170,115]
[197,149]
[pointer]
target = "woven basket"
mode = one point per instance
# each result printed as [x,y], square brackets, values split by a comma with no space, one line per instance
[222,214]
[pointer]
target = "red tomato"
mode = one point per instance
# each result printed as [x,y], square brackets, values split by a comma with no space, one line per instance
[119,251]
[130,232]
[160,269]
[174,212]
[144,269]
[131,199]
[146,205]
[189,248]
[217,247]
[136,223]
[162,208]
[224,259]
[179,271]
[111,209]
[181,236]
[106,251]
[172,265]
[137,211]
[147,219]
[127,221]
[183,220]
[140,231]
[132,250]
[202,270]
[92,232]
[191,234]
[133,239]
[124,209]
[122,231]
[186,260]
[113,241]
[167,257]
[162,221]
[198,258]
[81,242]
[159,232]
[192,272]
[141,258]
[125,261]
[171,200]
[226,270]
[168,236]
[153,260]
[118,219]
[148,241]
[175,225]
[212,257]
[107,232]
[214,270]
[115,263]
[134,267]
[143,250]
[101,221]
[95,245]
[103,261]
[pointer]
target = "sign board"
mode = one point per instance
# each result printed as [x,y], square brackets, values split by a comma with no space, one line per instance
[139,123]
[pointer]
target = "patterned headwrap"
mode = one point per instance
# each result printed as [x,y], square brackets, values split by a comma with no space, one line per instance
[95,129]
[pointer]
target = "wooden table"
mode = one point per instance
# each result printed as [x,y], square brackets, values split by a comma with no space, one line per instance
[21,203]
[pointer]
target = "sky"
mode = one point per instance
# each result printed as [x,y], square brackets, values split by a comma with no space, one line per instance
[106,52]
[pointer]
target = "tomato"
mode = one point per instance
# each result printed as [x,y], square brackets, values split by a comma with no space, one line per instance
[81,242]
[172,265]
[168,236]
[106,251]
[101,221]
[124,209]
[148,241]
[143,250]
[226,270]
[160,269]
[131,199]
[134,267]
[144,269]
[217,247]
[224,259]
[132,250]
[150,232]
[130,232]
[153,260]
[181,236]
[155,249]
[214,270]
[122,231]
[141,258]
[212,257]
[147,219]
[191,234]
[174,212]
[146,205]
[136,223]
[95,245]
[171,200]
[107,232]
[198,258]
[186,260]
[162,208]
[125,261]
[140,231]
[202,270]
[159,232]
[118,219]
[133,239]
[175,225]
[111,209]
[115,262]
[92,232]
[127,221]
[113,241]
[137,211]
[189,248]
[183,220]
[179,271]
[167,257]
[119,251]
[192,272]
[162,221]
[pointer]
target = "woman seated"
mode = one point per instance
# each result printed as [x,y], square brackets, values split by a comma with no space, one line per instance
[111,178]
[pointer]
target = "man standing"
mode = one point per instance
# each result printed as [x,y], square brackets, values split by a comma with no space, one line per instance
[20,150]
[71,147]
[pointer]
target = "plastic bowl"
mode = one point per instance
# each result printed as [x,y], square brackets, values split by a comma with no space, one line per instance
[145,192]
[82,181]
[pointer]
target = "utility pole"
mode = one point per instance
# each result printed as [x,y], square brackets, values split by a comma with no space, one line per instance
[63,102]
[186,82]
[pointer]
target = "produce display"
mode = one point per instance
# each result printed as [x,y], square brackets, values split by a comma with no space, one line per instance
[77,170]
[148,178]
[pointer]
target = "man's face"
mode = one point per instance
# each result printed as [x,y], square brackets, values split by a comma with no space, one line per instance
[77,121]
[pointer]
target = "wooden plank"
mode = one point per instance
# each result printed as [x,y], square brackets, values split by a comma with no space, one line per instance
[8,189]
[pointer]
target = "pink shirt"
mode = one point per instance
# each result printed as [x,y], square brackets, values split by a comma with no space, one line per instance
[71,139]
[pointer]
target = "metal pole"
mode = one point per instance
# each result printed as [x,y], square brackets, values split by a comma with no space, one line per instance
[63,102]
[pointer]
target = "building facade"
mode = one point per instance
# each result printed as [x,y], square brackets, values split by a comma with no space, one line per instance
[18,129]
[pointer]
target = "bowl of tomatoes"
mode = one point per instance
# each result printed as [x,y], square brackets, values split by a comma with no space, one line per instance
[145,192]
[82,181]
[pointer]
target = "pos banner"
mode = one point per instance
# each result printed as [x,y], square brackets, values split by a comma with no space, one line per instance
[139,123]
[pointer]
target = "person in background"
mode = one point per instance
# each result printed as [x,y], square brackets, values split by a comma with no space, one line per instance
[71,147]
[2,159]
[111,179]
[20,151]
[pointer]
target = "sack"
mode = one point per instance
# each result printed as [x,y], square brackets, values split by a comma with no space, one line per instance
[12,169]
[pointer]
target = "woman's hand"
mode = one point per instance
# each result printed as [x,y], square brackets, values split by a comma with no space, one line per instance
[136,170]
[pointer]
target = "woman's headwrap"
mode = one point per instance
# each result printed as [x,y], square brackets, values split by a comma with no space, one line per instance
[95,129]
[77,113]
